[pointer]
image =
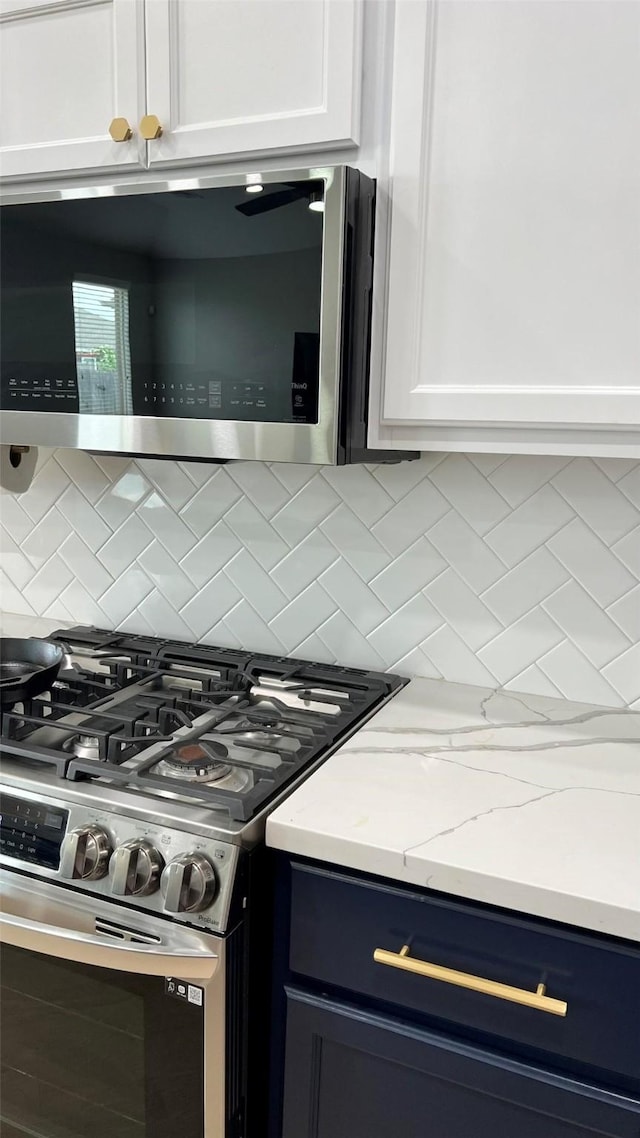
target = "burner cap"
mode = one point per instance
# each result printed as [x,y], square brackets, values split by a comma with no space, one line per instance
[86,747]
[192,759]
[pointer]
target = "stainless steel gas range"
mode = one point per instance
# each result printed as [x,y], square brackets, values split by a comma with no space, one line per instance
[136,922]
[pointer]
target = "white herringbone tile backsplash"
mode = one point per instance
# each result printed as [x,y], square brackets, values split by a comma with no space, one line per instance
[522,572]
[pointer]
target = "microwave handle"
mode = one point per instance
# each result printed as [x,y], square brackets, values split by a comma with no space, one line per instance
[176,956]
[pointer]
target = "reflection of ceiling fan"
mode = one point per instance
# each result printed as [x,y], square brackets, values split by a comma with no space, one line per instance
[263,203]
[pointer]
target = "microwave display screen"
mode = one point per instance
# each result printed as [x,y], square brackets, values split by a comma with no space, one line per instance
[194,304]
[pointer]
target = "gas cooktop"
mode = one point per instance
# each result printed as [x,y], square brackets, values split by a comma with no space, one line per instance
[212,728]
[145,773]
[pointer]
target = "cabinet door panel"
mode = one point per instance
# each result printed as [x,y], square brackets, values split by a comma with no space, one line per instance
[67,68]
[515,232]
[350,1073]
[238,76]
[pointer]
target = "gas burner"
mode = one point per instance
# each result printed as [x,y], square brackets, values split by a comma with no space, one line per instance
[195,763]
[234,782]
[86,747]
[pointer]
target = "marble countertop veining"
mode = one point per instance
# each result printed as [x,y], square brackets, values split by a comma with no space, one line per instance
[525,802]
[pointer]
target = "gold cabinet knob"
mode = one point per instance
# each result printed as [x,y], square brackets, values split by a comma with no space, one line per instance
[120,130]
[150,127]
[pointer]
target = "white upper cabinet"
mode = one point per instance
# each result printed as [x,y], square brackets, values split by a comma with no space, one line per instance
[67,69]
[229,77]
[220,78]
[514,252]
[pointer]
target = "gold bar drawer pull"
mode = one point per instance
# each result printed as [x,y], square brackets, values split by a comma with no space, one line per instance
[537,999]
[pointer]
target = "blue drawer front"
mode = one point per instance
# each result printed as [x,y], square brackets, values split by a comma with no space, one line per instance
[338,921]
[350,1074]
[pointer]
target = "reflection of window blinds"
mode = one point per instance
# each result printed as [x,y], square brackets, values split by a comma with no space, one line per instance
[103,356]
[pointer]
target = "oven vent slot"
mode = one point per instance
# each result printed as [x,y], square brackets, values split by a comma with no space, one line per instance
[123,932]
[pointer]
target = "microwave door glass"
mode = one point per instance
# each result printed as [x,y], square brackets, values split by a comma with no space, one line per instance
[103,348]
[196,304]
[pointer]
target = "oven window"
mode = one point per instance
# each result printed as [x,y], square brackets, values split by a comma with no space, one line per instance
[90,1051]
[194,304]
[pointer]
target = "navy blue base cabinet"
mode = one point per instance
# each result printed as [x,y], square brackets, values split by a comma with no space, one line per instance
[362,1050]
[350,1074]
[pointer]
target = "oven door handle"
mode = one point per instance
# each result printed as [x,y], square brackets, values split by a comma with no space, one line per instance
[180,953]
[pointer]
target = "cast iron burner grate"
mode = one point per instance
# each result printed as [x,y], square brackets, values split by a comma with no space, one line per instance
[268,716]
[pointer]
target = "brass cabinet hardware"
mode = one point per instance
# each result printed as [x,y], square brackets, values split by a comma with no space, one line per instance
[537,999]
[150,127]
[120,130]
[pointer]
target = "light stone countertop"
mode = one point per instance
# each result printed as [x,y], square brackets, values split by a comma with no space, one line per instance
[524,802]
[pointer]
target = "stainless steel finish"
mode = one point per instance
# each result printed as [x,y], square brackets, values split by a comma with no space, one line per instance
[188,884]
[121,932]
[222,439]
[106,800]
[85,854]
[87,654]
[135,869]
[286,691]
[127,816]
[36,918]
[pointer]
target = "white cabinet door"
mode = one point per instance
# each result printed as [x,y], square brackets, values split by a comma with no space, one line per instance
[228,77]
[67,68]
[514,290]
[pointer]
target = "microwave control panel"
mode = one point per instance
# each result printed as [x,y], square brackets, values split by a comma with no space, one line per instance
[103,394]
[40,394]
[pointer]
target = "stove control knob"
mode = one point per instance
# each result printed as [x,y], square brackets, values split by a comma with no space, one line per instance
[85,854]
[188,884]
[136,867]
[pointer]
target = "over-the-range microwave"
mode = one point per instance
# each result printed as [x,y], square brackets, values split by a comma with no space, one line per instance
[211,318]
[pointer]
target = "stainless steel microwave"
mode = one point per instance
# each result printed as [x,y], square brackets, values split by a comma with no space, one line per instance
[211,318]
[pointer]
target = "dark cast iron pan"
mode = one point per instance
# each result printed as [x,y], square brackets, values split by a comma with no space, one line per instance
[27,668]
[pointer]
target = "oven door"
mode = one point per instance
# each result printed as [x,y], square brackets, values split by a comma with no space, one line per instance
[112,1021]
